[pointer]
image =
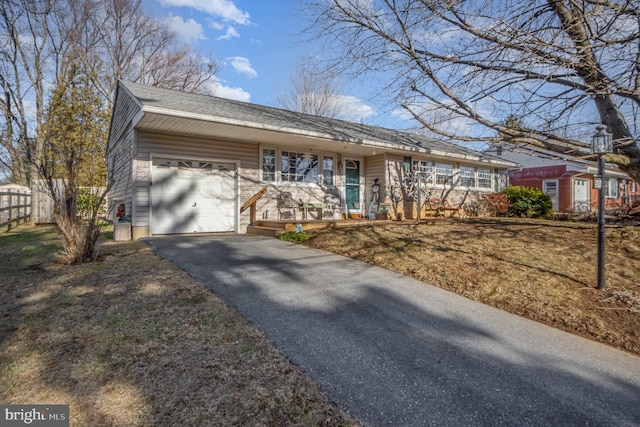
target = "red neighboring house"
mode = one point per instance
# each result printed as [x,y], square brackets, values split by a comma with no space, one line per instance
[567,180]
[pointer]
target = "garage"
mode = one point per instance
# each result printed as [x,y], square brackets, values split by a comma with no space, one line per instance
[189,196]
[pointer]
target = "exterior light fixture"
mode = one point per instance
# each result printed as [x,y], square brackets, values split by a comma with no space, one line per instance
[601,144]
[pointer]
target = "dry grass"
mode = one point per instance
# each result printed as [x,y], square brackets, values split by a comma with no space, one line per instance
[542,270]
[134,341]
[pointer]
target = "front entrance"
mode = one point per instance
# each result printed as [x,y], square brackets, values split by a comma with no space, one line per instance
[581,202]
[353,187]
[550,188]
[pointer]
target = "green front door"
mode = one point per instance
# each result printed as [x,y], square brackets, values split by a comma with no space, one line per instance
[352,181]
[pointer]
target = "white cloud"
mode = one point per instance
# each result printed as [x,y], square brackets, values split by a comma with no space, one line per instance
[230,33]
[217,87]
[236,93]
[353,109]
[215,25]
[224,9]
[188,31]
[242,65]
[402,114]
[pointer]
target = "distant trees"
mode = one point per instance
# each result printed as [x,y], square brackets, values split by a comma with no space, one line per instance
[60,61]
[311,90]
[111,40]
[127,43]
[557,67]
[318,91]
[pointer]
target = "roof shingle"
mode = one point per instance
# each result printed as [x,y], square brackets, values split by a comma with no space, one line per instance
[261,116]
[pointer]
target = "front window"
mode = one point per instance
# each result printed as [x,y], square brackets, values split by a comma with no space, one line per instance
[444,174]
[467,176]
[268,164]
[327,170]
[484,178]
[298,167]
[425,169]
[611,188]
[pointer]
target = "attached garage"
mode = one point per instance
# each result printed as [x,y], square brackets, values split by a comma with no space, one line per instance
[193,196]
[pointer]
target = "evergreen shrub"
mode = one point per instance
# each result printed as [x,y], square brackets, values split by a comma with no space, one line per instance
[526,202]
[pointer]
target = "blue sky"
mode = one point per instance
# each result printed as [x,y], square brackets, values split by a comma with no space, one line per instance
[259,44]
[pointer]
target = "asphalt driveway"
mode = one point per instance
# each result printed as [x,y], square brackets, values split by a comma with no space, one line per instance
[393,351]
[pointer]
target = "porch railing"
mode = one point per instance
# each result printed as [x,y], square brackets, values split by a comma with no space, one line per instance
[251,205]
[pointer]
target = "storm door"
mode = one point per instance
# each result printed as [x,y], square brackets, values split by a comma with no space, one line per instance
[352,185]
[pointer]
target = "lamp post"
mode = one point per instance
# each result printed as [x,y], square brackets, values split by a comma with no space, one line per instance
[600,145]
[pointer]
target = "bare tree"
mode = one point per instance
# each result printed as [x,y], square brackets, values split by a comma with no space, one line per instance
[558,66]
[59,65]
[131,45]
[317,91]
[25,51]
[110,39]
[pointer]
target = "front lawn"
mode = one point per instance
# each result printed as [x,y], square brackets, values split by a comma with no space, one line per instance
[132,340]
[543,270]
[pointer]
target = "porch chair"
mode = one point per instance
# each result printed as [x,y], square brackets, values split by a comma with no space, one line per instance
[286,206]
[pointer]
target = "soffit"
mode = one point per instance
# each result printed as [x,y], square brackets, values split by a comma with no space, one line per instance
[162,123]
[230,132]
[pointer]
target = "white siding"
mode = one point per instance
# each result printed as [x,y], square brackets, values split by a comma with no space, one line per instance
[126,109]
[374,168]
[188,147]
[121,147]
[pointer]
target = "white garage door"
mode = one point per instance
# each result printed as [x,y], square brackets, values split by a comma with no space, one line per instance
[192,197]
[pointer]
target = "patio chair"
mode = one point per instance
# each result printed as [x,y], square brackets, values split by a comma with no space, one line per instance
[286,206]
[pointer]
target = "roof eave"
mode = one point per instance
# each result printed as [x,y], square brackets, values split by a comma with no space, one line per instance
[322,135]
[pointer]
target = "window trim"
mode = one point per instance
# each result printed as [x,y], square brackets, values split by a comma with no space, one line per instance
[611,192]
[275,164]
[320,156]
[321,170]
[490,179]
[448,181]
[427,170]
[474,176]
[430,166]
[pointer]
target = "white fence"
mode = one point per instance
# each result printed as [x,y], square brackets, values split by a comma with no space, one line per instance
[43,206]
[15,207]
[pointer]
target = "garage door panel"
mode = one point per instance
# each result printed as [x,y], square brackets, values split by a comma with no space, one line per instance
[193,197]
